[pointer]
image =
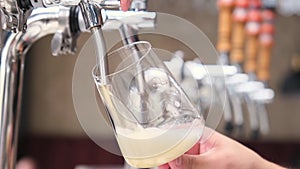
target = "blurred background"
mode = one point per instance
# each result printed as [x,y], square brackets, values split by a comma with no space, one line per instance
[51,133]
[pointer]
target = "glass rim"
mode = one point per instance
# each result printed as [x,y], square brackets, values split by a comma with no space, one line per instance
[130,65]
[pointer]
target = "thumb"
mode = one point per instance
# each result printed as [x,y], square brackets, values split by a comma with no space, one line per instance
[185,161]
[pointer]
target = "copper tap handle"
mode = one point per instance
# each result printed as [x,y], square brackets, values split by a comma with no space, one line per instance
[238,37]
[266,44]
[263,72]
[224,31]
[251,53]
[252,29]
[238,31]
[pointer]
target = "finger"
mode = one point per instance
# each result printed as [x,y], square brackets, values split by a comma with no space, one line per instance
[125,4]
[185,161]
[164,166]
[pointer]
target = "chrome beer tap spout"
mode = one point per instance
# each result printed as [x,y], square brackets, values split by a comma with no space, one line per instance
[246,91]
[261,98]
[96,14]
[236,99]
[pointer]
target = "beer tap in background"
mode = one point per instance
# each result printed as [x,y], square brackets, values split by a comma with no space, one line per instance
[236,58]
[259,34]
[238,33]
[266,40]
[252,29]
[244,50]
[224,29]
[252,32]
[223,46]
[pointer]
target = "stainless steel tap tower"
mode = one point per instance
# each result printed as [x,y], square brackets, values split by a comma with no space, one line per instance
[23,23]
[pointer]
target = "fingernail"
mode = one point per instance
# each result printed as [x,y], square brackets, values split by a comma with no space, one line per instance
[178,161]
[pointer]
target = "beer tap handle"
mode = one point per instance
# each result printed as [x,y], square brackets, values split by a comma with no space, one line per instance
[236,58]
[263,72]
[252,31]
[224,29]
[223,46]
[238,33]
[253,25]
[266,40]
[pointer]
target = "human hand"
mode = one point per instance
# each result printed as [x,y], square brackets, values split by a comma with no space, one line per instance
[216,151]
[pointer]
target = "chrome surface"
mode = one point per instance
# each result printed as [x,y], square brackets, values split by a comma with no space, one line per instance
[41,23]
[14,15]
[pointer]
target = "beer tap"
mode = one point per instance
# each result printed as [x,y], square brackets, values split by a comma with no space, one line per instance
[252,28]
[266,40]
[257,47]
[238,33]
[223,46]
[236,59]
[224,31]
[92,15]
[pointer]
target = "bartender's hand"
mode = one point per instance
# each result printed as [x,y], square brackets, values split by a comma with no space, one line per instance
[219,152]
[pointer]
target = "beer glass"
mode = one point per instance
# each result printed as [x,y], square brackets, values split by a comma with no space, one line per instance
[153,119]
